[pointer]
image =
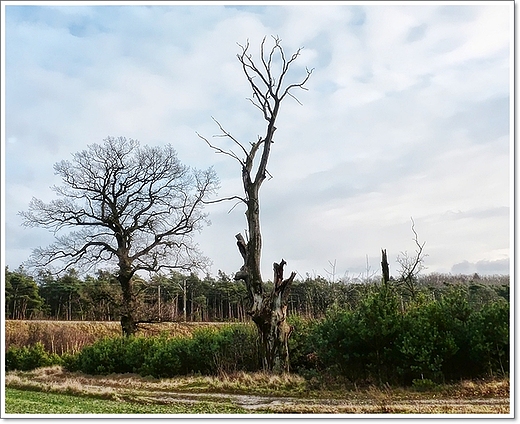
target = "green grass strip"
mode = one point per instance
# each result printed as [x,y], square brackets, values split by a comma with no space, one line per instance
[33,402]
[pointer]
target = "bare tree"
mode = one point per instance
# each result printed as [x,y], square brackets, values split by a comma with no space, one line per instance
[266,78]
[410,266]
[122,204]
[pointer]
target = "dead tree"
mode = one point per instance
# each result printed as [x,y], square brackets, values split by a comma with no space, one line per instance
[268,310]
[385,267]
[410,267]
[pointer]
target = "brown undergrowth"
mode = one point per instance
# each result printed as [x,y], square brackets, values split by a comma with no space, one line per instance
[71,336]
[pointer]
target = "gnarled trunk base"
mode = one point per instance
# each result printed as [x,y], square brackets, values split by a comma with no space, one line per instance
[269,313]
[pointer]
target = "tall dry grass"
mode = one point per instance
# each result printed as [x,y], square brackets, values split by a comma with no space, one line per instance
[71,336]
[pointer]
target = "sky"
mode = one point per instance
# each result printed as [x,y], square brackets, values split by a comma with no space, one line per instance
[406,116]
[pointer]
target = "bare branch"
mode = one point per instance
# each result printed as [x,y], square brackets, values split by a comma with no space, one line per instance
[227,134]
[225,199]
[219,150]
[295,98]
[297,85]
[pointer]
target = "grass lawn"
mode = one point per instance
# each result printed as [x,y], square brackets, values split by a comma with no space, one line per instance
[32,402]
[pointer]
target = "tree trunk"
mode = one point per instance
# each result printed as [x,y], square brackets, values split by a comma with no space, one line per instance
[275,337]
[268,310]
[128,322]
[385,267]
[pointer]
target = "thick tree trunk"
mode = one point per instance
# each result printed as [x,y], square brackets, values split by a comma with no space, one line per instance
[268,311]
[128,322]
[275,337]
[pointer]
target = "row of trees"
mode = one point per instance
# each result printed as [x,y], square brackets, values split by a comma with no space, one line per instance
[187,297]
[176,297]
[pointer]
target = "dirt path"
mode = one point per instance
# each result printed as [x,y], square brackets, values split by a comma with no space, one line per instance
[358,405]
[487,400]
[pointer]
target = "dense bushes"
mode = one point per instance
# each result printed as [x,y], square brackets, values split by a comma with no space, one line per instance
[208,351]
[30,357]
[384,340]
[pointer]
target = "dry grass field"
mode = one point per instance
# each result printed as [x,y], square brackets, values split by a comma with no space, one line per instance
[260,393]
[71,336]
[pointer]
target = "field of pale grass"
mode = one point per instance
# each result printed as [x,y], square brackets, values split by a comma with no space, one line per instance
[71,336]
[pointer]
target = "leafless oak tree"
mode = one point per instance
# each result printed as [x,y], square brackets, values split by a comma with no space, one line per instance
[267,80]
[123,204]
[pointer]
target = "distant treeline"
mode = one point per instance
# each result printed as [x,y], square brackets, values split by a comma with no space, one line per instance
[179,297]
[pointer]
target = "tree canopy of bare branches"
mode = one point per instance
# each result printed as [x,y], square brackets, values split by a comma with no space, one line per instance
[122,204]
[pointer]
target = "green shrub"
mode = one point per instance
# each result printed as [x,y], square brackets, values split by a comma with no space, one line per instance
[168,358]
[378,325]
[136,350]
[437,340]
[70,361]
[337,344]
[426,342]
[302,347]
[27,358]
[360,344]
[207,351]
[106,356]
[423,384]
[238,349]
[203,350]
[489,339]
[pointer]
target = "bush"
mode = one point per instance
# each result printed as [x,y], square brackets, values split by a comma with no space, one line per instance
[426,342]
[168,358]
[238,349]
[379,323]
[423,384]
[207,351]
[434,340]
[203,350]
[27,358]
[302,348]
[114,355]
[360,344]
[70,361]
[489,339]
[337,344]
